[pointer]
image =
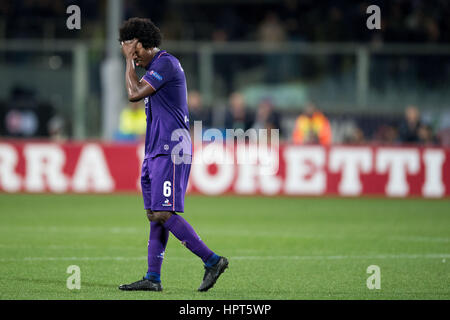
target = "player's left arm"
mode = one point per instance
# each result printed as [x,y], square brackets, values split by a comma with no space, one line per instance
[136,89]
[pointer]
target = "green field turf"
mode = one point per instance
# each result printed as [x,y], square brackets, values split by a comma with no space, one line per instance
[278,248]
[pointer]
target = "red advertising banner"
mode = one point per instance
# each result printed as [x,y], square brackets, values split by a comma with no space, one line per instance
[92,167]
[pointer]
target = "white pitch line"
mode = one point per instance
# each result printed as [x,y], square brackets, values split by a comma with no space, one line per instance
[65,229]
[421,239]
[321,257]
[71,259]
[58,247]
[344,257]
[228,233]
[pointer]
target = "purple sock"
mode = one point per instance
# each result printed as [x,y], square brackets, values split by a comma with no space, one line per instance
[184,232]
[156,246]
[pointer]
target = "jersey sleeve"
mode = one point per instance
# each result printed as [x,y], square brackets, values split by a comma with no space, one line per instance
[159,73]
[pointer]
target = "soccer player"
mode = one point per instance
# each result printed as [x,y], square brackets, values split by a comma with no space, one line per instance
[163,180]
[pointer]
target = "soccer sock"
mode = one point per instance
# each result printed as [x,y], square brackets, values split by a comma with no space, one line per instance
[184,232]
[156,245]
[153,276]
[212,260]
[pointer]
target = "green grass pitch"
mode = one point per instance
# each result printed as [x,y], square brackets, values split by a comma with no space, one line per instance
[278,248]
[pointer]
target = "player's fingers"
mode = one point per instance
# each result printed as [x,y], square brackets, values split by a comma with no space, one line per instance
[134,43]
[129,42]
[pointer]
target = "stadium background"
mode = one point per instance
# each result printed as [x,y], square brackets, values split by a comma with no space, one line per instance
[66,127]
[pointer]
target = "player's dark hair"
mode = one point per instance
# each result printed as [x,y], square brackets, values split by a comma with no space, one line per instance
[142,29]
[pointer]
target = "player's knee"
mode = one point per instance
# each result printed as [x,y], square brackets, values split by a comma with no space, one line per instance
[149,215]
[162,216]
[158,216]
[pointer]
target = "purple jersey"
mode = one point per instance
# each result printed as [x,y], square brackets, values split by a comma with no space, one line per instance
[166,109]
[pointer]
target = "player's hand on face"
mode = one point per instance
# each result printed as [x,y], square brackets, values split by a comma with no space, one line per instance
[129,47]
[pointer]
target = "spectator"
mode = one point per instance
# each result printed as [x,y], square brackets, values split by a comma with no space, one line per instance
[312,127]
[2,118]
[426,136]
[408,132]
[386,134]
[25,116]
[356,136]
[132,122]
[197,111]
[271,33]
[237,116]
[266,116]
[289,13]
[56,128]
[443,128]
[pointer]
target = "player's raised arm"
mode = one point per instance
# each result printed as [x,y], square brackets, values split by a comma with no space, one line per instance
[136,89]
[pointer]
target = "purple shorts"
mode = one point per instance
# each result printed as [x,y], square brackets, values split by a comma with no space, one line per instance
[164,183]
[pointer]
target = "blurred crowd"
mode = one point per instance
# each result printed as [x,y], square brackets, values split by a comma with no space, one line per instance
[271,21]
[24,114]
[311,126]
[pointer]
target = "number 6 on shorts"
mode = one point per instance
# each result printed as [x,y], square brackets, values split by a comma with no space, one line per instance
[167,188]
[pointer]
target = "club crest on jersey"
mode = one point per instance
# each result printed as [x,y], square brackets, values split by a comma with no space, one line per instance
[156,75]
[167,203]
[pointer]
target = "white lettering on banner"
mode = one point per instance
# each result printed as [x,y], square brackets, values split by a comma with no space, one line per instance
[9,180]
[45,161]
[305,170]
[241,169]
[92,172]
[247,170]
[222,179]
[350,161]
[250,171]
[397,163]
[433,161]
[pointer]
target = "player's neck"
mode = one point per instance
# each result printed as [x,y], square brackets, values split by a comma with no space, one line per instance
[152,52]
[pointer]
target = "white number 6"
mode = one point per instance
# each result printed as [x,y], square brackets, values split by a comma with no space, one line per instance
[167,189]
